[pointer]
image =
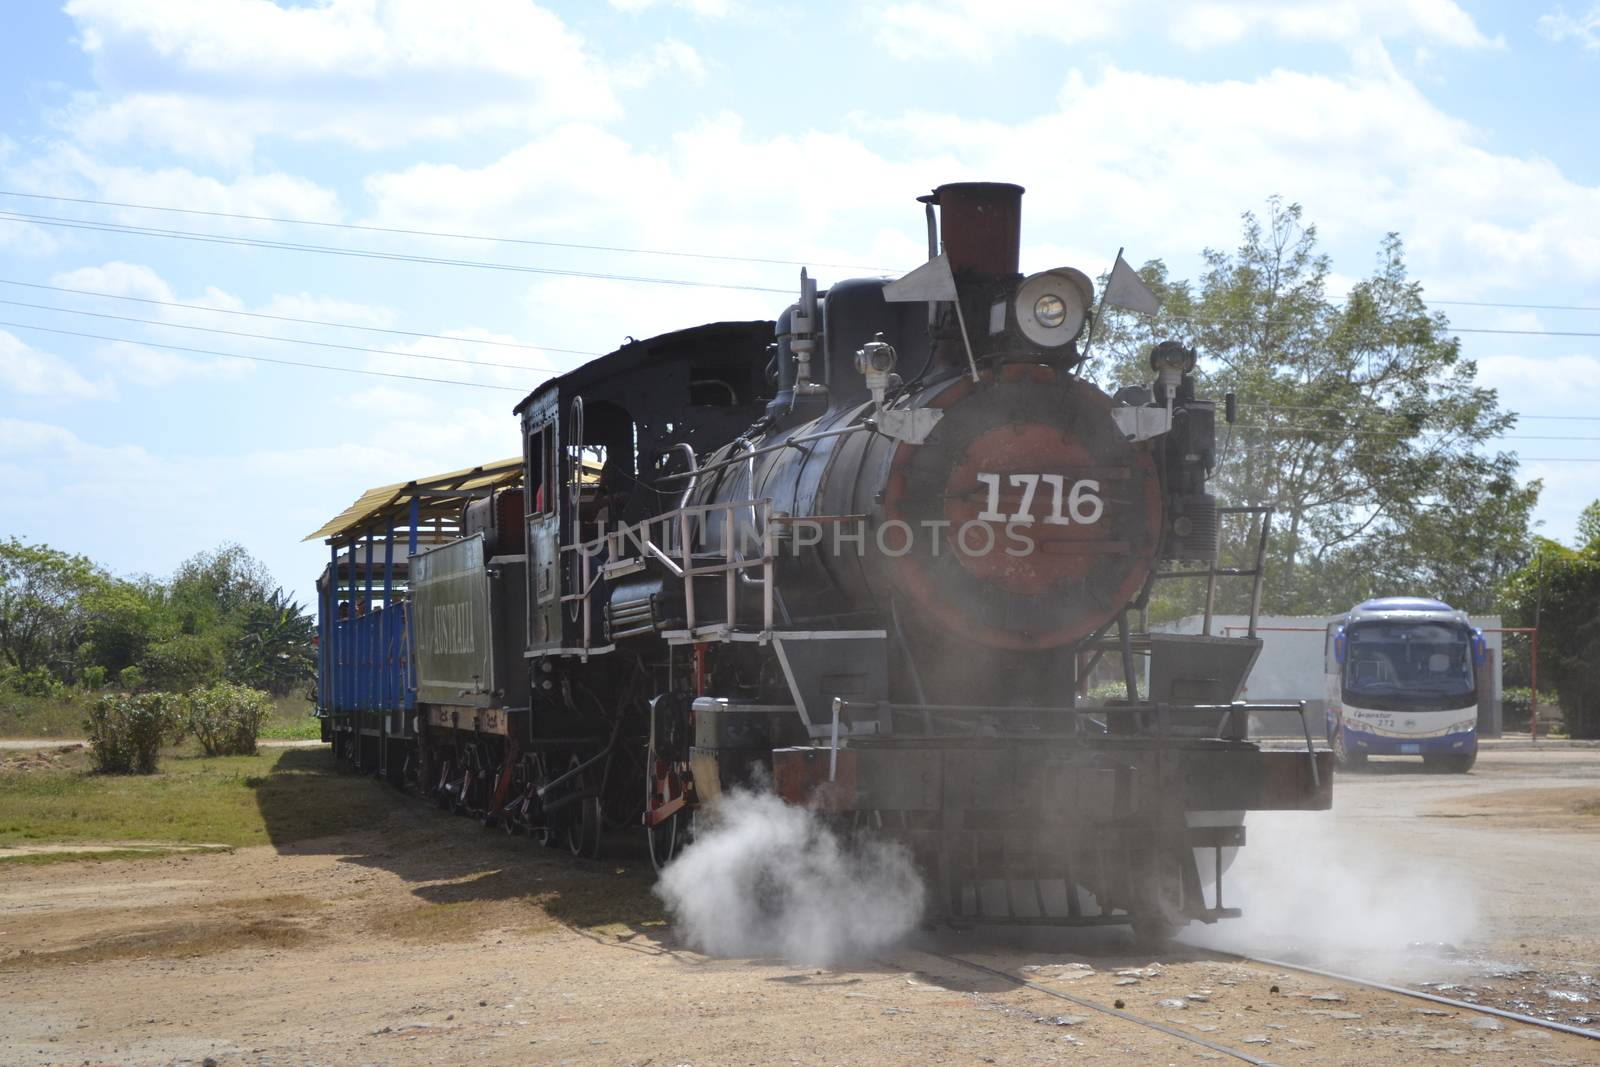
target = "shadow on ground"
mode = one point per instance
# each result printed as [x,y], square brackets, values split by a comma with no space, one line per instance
[314,805]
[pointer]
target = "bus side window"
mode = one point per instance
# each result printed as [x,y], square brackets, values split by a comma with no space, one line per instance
[1330,663]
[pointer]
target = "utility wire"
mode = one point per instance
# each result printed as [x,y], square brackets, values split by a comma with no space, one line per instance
[438,233]
[286,340]
[366,253]
[1525,307]
[1447,329]
[1346,411]
[303,322]
[261,359]
[402,257]
[1322,432]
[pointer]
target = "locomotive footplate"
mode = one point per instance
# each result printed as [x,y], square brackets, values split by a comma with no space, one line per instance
[1059,830]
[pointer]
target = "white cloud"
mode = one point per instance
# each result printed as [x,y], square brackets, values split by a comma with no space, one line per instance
[1584,28]
[400,70]
[709,9]
[671,58]
[1166,159]
[965,29]
[30,372]
[1346,22]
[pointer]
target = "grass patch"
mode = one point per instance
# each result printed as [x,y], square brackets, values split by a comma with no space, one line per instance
[277,796]
[1587,807]
[26,716]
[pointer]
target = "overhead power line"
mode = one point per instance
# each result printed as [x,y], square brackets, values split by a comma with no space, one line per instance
[444,234]
[367,253]
[1448,329]
[1318,431]
[261,359]
[274,337]
[1525,307]
[303,322]
[1346,411]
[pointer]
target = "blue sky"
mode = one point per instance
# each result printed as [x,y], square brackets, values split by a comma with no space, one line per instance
[787,131]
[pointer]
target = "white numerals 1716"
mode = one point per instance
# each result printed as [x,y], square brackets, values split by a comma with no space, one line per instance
[1081,505]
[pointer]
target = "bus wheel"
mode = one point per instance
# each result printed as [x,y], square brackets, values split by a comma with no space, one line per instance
[1349,759]
[1450,762]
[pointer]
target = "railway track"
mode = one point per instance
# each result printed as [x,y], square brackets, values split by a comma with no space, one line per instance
[1239,1054]
[1417,994]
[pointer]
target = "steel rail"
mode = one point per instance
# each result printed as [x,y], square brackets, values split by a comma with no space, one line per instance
[1081,1002]
[1463,1005]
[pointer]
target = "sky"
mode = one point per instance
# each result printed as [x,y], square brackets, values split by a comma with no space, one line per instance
[624,167]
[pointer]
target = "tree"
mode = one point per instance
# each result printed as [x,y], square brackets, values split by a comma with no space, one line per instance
[274,650]
[123,619]
[41,605]
[1589,525]
[211,588]
[1361,423]
[1562,589]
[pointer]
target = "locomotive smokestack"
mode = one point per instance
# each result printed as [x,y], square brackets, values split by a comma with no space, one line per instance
[981,224]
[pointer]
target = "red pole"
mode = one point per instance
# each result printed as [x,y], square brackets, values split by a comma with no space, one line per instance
[1533,685]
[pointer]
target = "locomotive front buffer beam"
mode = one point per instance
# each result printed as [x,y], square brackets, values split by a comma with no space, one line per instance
[1064,830]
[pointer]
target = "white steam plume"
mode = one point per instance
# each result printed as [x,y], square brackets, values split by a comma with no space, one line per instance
[768,879]
[1317,890]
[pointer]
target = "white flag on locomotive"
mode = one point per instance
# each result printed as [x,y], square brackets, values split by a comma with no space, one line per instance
[1125,289]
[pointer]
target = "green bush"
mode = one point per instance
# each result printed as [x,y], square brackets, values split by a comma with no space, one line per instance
[38,682]
[94,677]
[227,718]
[126,732]
[182,663]
[131,679]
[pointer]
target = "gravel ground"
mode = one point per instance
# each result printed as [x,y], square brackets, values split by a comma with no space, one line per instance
[427,939]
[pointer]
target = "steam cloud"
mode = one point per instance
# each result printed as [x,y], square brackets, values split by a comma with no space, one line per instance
[771,879]
[1340,896]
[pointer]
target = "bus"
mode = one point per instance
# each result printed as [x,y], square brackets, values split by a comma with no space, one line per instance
[1402,681]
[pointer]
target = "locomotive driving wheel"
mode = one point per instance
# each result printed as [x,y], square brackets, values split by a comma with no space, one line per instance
[586,823]
[667,815]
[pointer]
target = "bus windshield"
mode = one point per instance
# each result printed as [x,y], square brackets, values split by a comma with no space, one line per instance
[1387,660]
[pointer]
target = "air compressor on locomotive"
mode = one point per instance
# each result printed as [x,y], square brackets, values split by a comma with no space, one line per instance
[864,554]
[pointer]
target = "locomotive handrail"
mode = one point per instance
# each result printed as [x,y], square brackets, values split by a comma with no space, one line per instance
[793,442]
[636,542]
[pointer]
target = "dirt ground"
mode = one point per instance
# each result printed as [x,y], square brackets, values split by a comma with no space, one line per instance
[429,939]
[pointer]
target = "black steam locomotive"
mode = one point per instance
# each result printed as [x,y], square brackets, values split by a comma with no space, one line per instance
[870,554]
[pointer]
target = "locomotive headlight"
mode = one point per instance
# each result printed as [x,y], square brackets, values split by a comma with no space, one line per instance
[1050,311]
[1052,306]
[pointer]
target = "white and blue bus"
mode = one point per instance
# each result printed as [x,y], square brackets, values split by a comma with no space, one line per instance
[1402,681]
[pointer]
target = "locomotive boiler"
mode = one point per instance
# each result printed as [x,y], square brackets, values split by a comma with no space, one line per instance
[867,554]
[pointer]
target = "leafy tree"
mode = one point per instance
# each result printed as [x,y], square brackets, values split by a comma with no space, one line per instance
[124,618]
[184,662]
[211,588]
[274,650]
[41,605]
[1562,590]
[1360,423]
[1589,524]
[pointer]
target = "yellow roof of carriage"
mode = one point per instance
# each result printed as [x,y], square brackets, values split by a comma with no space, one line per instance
[439,498]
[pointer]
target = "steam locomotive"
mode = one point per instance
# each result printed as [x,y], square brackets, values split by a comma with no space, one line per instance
[869,555]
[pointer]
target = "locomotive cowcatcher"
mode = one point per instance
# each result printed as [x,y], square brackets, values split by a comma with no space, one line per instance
[869,555]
